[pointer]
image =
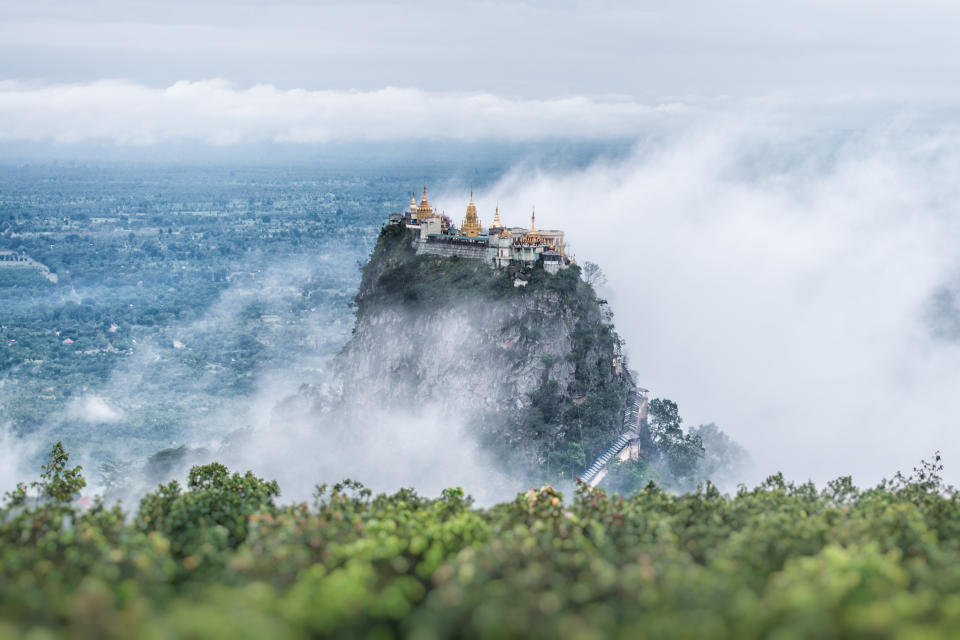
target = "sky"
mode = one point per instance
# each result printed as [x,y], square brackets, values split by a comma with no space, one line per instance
[139,73]
[789,197]
[646,50]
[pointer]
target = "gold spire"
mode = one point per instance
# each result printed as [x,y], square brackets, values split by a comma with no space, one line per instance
[425,210]
[533,237]
[496,220]
[471,224]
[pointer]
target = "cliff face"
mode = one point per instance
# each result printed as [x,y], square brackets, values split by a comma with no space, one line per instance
[535,371]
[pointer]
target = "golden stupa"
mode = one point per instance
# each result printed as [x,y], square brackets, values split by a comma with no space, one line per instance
[471,224]
[424,210]
[496,220]
[533,237]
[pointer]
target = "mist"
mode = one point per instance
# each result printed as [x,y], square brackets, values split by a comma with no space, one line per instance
[782,286]
[297,423]
[93,410]
[797,286]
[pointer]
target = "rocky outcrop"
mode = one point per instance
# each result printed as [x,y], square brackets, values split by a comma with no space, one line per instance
[536,370]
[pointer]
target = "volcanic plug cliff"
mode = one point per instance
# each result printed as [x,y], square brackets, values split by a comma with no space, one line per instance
[529,360]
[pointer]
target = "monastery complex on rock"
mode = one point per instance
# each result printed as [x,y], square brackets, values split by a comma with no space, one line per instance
[435,234]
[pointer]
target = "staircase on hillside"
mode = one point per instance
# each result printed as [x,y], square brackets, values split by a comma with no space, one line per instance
[631,425]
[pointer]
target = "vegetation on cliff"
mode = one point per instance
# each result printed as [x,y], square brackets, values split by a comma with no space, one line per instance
[396,274]
[219,558]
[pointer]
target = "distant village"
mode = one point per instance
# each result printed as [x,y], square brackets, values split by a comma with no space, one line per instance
[435,234]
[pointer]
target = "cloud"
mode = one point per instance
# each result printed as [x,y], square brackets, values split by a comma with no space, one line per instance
[778,285]
[95,410]
[425,448]
[218,113]
[214,112]
[16,452]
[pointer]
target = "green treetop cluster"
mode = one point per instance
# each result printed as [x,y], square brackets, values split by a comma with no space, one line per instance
[221,558]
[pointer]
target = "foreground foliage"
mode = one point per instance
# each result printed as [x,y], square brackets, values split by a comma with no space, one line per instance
[219,558]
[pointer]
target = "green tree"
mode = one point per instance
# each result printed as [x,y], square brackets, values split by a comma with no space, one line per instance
[56,481]
[680,452]
[57,484]
[208,518]
[724,459]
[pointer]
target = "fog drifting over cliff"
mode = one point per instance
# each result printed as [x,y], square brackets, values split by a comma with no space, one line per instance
[792,289]
[795,286]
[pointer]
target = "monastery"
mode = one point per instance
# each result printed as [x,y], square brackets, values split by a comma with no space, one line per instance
[435,234]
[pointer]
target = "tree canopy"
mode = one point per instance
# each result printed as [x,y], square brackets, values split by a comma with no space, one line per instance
[221,558]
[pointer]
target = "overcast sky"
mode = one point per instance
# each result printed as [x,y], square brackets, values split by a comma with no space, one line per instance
[877,56]
[648,50]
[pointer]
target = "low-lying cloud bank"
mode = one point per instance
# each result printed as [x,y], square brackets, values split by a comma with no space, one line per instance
[215,112]
[789,289]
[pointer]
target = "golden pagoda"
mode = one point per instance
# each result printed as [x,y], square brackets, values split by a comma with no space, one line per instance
[496,220]
[471,224]
[424,210]
[533,237]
